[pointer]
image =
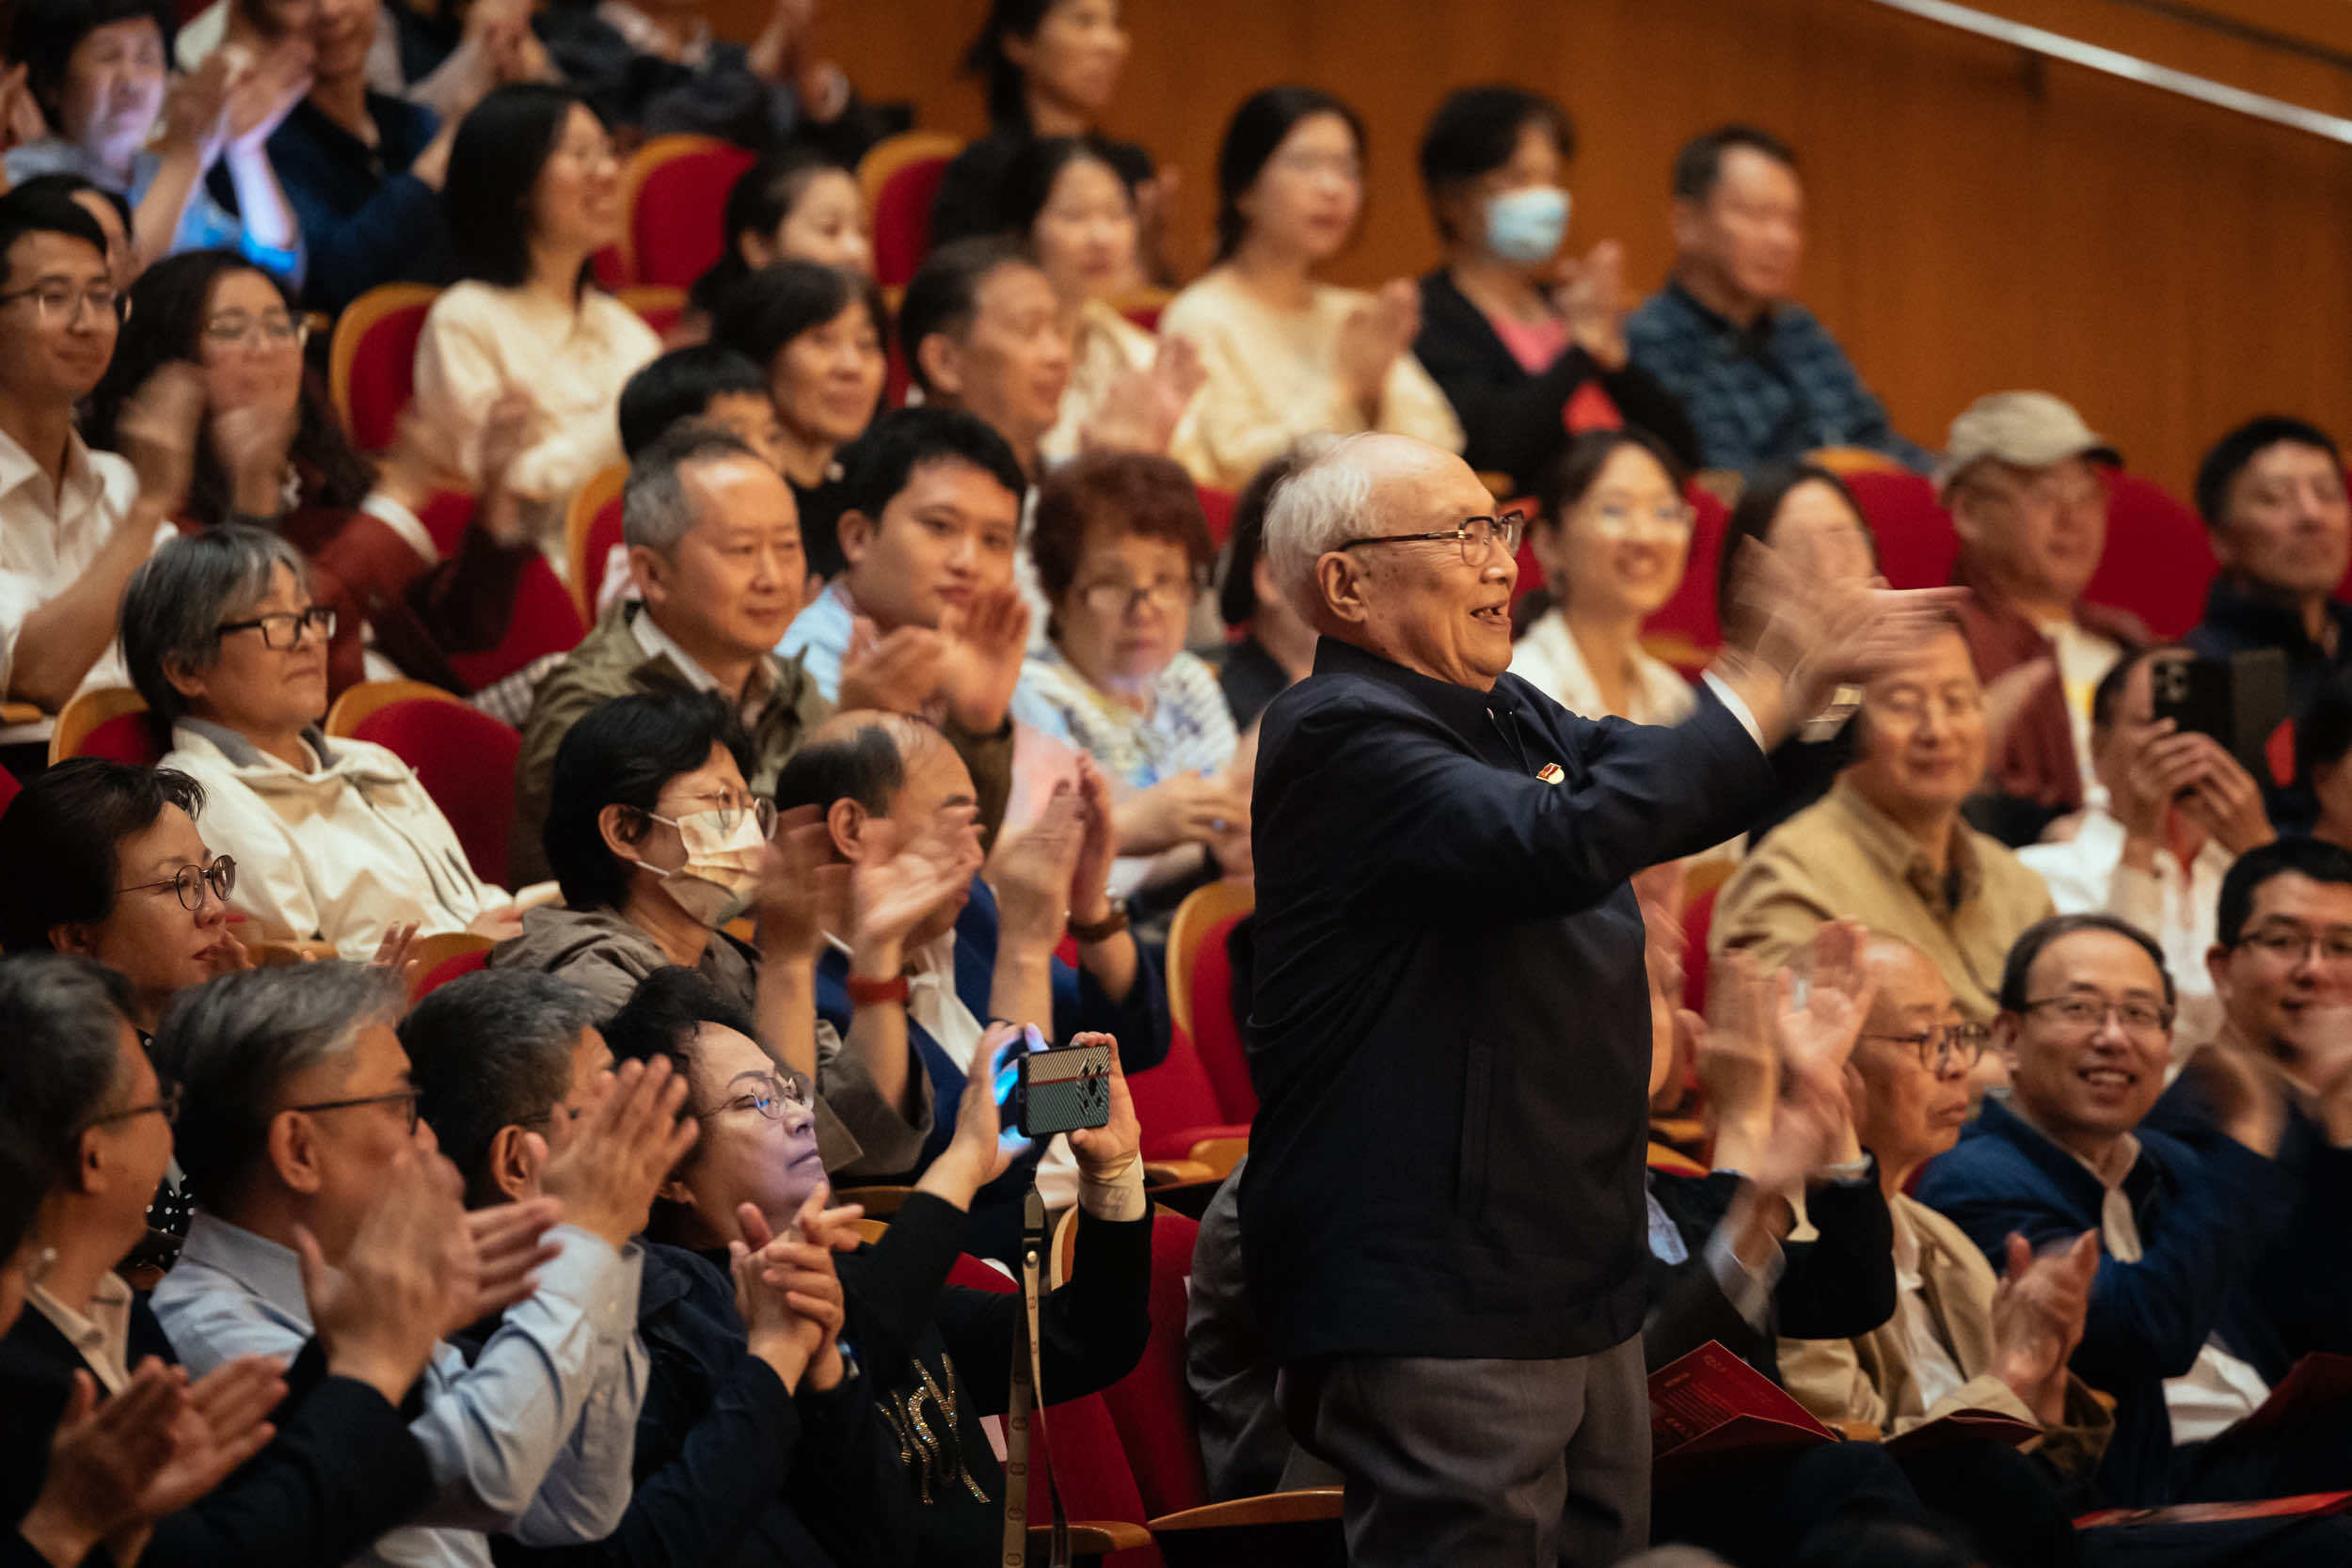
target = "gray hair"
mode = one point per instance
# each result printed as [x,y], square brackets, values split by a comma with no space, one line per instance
[63,1021]
[656,512]
[173,609]
[493,1049]
[1325,501]
[232,1045]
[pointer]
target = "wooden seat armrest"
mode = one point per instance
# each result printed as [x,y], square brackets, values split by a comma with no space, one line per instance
[1274,1508]
[1092,1538]
[1856,1432]
[1169,1173]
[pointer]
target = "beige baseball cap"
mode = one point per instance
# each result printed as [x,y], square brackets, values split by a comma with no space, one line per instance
[2031,430]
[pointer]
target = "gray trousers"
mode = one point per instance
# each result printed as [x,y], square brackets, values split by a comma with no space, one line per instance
[1482,1464]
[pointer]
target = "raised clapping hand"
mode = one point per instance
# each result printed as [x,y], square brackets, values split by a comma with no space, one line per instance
[986,641]
[802,888]
[2038,1312]
[630,1139]
[1032,869]
[893,889]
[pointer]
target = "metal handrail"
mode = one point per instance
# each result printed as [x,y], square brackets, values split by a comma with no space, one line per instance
[2131,68]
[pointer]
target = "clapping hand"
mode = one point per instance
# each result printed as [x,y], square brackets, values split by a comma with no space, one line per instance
[894,889]
[1590,296]
[897,674]
[2038,1312]
[262,91]
[1031,872]
[787,1286]
[630,1140]
[986,641]
[802,888]
[1372,337]
[158,432]
[1140,409]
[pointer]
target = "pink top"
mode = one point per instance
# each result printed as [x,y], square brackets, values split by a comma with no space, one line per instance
[1536,344]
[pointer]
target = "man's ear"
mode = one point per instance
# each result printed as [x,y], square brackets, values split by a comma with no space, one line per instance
[513,1171]
[1689,223]
[2217,970]
[2006,1030]
[942,363]
[1341,583]
[846,820]
[855,531]
[651,574]
[675,1191]
[89,1165]
[294,1151]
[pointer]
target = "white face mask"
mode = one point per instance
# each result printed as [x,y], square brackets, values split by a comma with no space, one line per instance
[721,867]
[1527,226]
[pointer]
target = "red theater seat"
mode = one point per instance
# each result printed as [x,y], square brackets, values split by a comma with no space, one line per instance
[464,758]
[674,191]
[900,175]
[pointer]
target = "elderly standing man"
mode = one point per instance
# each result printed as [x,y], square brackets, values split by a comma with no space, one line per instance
[1442,1214]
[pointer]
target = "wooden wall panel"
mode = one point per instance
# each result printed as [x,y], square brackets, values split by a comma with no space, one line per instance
[1979,220]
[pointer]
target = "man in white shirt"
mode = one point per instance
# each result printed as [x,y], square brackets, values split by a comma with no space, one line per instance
[2026,482]
[2172,813]
[74,523]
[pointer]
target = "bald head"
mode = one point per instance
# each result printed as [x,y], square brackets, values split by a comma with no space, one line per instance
[860,769]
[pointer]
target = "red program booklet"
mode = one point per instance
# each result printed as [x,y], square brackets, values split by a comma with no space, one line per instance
[1711,1402]
[2313,1503]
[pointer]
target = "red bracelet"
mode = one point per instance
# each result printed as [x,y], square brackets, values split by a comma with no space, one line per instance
[865,992]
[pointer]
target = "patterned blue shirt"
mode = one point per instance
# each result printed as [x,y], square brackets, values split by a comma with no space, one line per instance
[1764,394]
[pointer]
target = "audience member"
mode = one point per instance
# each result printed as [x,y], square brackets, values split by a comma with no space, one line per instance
[983,332]
[1887,846]
[98,73]
[1760,378]
[2086,1028]
[1049,68]
[2026,482]
[2173,811]
[533,192]
[2272,495]
[444,57]
[78,1093]
[111,209]
[2323,738]
[705,382]
[982,949]
[1284,354]
[1613,536]
[338,840]
[1276,647]
[822,334]
[795,205]
[296,1108]
[1521,337]
[363,168]
[74,523]
[751,1446]
[1121,551]
[939,1357]
[271,452]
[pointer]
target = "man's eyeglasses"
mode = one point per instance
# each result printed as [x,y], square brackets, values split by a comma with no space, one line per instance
[1111,600]
[283,629]
[1944,1046]
[278,330]
[2289,943]
[1476,536]
[404,1098]
[773,1098]
[191,882]
[165,1104]
[55,298]
[2081,1016]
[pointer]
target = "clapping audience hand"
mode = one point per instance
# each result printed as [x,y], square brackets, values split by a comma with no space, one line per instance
[801,889]
[1590,296]
[2244,1092]
[629,1141]
[410,1271]
[21,121]
[263,91]
[508,430]
[897,674]
[2038,1312]
[1031,872]
[158,432]
[891,892]
[1098,846]
[795,1268]
[1186,808]
[986,641]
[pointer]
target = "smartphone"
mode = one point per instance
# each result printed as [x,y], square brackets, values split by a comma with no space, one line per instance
[1047,1089]
[2239,701]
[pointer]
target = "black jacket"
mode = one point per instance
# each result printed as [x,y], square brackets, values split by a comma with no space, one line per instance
[730,1468]
[1514,419]
[1450,1030]
[342,1471]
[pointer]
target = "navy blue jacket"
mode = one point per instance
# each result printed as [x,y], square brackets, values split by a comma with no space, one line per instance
[365,219]
[1139,1024]
[2204,1209]
[1450,1028]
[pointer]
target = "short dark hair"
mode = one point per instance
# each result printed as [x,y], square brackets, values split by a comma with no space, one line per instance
[2324,734]
[763,311]
[659,1018]
[489,1050]
[1117,493]
[943,295]
[230,1044]
[622,753]
[2313,857]
[762,196]
[881,462]
[27,211]
[59,837]
[1475,131]
[494,164]
[1700,162]
[682,385]
[45,33]
[863,764]
[63,1021]
[2018,968]
[1237,596]
[2228,457]
[1256,129]
[75,185]
[1759,506]
[174,605]
[1028,183]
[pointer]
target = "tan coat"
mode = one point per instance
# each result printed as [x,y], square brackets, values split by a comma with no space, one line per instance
[1872,1378]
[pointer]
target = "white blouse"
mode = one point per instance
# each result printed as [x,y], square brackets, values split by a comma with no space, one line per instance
[1548,659]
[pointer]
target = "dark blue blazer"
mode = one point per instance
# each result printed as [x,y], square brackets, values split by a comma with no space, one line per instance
[1450,1025]
[2205,1210]
[1139,1024]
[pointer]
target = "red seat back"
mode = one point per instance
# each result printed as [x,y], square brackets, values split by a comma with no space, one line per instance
[603,535]
[902,219]
[384,375]
[1151,1405]
[125,737]
[1217,507]
[2158,561]
[9,789]
[1217,1039]
[1916,545]
[1689,617]
[545,620]
[676,225]
[1176,1102]
[446,517]
[449,969]
[466,761]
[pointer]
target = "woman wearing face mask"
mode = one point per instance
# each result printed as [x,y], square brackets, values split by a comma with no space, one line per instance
[1285,354]
[1523,339]
[335,839]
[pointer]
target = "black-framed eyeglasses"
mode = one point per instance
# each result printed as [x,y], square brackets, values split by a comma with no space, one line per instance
[191,882]
[1476,535]
[2083,1015]
[283,628]
[165,1104]
[774,1098]
[1960,1045]
[1112,600]
[54,296]
[2289,942]
[411,1098]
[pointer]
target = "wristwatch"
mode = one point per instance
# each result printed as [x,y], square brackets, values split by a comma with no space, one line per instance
[1104,930]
